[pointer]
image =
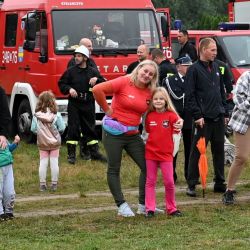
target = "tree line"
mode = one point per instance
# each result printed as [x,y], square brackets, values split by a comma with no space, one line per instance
[196,14]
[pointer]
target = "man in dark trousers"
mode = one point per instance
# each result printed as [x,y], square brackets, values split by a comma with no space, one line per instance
[84,149]
[77,82]
[5,119]
[166,68]
[142,54]
[187,48]
[175,85]
[207,102]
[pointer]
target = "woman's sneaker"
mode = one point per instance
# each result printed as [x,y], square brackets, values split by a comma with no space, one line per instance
[228,197]
[125,211]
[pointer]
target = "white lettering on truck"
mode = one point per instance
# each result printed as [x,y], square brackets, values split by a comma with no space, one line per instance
[9,56]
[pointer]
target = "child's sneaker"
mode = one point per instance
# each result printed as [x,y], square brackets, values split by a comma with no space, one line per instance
[3,217]
[142,210]
[176,213]
[150,214]
[43,187]
[53,187]
[125,211]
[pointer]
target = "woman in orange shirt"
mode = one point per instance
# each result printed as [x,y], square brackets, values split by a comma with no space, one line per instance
[131,96]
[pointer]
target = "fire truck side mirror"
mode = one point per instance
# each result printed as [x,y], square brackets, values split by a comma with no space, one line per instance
[30,34]
[164,26]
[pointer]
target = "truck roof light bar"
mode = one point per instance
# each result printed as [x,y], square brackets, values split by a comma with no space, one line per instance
[233,26]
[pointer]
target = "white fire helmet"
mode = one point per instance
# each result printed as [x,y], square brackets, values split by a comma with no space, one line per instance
[82,50]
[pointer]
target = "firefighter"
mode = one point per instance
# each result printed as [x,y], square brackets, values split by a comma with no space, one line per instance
[84,151]
[77,82]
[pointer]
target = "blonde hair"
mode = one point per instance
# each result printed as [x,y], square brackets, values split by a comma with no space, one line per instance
[133,76]
[204,43]
[168,103]
[46,100]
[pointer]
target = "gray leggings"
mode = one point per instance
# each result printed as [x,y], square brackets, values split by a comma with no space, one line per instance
[134,146]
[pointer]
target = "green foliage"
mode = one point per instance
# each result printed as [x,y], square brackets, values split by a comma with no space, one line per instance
[191,12]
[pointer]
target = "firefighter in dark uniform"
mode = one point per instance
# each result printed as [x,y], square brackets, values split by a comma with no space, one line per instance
[85,155]
[206,99]
[77,82]
[175,85]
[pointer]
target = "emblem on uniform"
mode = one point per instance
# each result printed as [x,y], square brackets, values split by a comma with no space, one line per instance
[165,124]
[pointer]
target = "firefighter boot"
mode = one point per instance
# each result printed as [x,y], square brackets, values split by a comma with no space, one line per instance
[95,154]
[84,151]
[71,153]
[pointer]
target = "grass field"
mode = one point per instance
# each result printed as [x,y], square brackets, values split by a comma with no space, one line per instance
[82,214]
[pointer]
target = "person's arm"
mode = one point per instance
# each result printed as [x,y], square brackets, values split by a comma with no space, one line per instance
[33,127]
[60,123]
[242,93]
[100,92]
[63,83]
[5,118]
[14,145]
[223,95]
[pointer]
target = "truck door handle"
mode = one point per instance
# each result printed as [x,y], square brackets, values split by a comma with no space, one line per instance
[26,68]
[2,67]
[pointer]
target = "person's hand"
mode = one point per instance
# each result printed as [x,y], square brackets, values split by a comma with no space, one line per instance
[93,81]
[200,122]
[17,139]
[226,119]
[3,142]
[73,93]
[178,125]
[109,112]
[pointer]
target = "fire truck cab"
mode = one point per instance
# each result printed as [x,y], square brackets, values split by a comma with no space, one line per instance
[38,38]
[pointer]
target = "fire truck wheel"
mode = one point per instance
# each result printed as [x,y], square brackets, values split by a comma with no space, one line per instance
[24,119]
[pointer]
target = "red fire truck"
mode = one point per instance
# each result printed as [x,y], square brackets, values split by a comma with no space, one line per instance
[38,38]
[233,46]
[238,11]
[164,21]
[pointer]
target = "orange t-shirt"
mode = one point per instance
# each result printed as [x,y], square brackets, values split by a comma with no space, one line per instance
[129,102]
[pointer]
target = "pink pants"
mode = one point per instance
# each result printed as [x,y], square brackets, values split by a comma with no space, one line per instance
[167,174]
[45,157]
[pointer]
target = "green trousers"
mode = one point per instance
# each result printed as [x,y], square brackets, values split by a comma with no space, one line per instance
[134,146]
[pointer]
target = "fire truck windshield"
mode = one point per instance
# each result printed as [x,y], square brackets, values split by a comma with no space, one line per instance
[109,30]
[238,49]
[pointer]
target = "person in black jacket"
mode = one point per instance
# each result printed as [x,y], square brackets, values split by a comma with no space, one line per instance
[5,119]
[77,82]
[207,102]
[175,85]
[84,149]
[187,48]
[166,68]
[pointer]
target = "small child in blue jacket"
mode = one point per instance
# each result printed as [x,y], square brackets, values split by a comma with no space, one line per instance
[7,190]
